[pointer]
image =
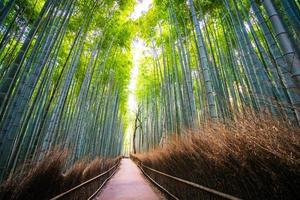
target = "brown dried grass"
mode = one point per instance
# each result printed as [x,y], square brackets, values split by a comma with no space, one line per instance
[256,157]
[46,179]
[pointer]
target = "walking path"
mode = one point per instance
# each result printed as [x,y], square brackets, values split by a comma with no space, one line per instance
[128,184]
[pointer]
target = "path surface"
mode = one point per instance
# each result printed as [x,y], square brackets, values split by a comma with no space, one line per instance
[128,184]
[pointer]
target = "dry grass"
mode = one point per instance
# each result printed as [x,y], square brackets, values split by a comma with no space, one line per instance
[83,172]
[46,179]
[256,157]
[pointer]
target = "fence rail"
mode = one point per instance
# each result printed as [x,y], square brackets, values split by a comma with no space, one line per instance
[189,183]
[89,181]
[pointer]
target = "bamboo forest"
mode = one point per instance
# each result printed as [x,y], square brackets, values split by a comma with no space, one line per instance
[149,99]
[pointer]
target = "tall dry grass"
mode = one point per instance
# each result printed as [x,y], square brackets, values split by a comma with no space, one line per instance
[46,179]
[256,157]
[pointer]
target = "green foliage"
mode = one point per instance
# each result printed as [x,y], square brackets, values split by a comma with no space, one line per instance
[30,8]
[64,73]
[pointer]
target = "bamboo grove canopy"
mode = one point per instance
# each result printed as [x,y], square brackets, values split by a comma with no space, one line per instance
[65,66]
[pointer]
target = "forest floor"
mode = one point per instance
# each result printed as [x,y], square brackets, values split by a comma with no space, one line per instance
[129,184]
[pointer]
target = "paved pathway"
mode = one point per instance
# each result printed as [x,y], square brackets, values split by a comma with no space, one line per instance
[128,184]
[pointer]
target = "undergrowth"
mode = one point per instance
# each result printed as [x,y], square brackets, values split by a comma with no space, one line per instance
[255,157]
[46,179]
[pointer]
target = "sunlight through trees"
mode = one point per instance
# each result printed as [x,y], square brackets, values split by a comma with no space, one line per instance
[104,77]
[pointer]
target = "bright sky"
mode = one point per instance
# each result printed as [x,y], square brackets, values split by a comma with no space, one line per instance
[141,7]
[138,47]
